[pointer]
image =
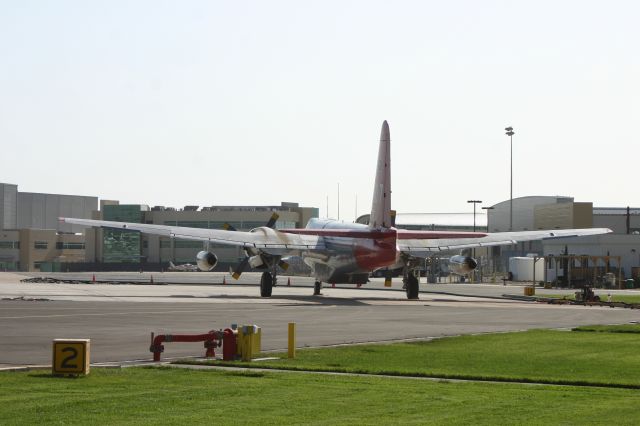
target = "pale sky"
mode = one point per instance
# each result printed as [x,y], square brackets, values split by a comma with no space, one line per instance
[258,102]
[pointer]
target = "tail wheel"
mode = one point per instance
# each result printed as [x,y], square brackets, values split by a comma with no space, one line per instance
[412,287]
[266,284]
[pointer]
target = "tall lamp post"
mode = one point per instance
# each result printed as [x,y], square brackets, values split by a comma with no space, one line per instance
[474,211]
[487,209]
[510,133]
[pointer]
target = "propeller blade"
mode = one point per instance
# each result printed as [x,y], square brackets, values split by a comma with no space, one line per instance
[272,220]
[240,268]
[229,227]
[284,265]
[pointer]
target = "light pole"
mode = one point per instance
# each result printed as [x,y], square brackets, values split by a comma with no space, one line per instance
[487,209]
[510,133]
[474,211]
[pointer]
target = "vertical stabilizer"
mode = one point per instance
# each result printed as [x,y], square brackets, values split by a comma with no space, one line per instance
[381,205]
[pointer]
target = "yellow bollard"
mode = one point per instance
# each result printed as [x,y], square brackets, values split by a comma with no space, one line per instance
[292,340]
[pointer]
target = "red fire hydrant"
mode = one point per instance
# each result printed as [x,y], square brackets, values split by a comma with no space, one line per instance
[211,340]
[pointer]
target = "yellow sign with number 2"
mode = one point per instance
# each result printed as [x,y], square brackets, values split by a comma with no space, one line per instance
[71,356]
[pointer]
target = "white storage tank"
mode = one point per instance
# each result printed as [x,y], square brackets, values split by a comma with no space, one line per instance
[522,268]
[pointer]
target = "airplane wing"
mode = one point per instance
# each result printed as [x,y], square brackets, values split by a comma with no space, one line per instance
[419,247]
[266,239]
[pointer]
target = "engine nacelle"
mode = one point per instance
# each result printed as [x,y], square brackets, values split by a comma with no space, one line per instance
[206,260]
[462,265]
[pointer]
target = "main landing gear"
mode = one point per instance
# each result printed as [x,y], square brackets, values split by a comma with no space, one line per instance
[317,286]
[411,285]
[267,282]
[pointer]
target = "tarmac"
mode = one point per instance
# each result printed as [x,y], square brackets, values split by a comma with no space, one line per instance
[119,318]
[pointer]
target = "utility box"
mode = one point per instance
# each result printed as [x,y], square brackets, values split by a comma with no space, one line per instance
[249,341]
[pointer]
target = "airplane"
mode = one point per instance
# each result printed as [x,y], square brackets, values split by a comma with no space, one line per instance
[344,253]
[185,267]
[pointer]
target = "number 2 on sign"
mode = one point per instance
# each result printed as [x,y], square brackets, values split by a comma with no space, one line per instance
[72,357]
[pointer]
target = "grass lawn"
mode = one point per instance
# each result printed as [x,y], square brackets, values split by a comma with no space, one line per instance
[176,396]
[621,328]
[626,298]
[545,356]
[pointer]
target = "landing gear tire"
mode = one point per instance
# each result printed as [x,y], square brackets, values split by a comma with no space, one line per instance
[316,288]
[266,284]
[412,287]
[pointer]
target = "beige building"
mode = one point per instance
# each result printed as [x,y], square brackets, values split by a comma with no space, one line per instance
[39,249]
[31,237]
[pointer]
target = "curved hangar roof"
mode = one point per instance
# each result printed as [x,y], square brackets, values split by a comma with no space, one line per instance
[435,220]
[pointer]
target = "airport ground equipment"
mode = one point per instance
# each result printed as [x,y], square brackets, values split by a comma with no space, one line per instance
[211,340]
[586,294]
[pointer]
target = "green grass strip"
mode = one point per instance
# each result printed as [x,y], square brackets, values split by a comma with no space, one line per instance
[537,356]
[171,396]
[620,328]
[623,298]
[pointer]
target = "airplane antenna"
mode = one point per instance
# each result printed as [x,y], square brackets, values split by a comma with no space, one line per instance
[338,200]
[327,216]
[356,219]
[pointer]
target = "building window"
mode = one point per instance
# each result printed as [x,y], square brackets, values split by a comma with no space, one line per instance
[188,244]
[69,246]
[181,244]
[9,244]
[41,245]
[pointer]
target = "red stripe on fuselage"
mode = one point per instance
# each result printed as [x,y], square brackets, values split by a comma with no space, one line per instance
[402,234]
[346,233]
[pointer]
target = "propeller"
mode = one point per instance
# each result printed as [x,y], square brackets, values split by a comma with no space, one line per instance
[229,227]
[272,220]
[242,265]
[239,269]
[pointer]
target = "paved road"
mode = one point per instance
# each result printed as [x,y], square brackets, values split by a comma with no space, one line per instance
[120,318]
